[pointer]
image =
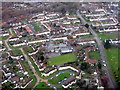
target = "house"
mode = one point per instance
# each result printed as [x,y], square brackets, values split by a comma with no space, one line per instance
[37,41]
[59,38]
[86,42]
[68,67]
[81,33]
[66,50]
[50,72]
[13,39]
[69,83]
[43,32]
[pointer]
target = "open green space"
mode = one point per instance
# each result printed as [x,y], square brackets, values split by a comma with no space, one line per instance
[5,37]
[113,60]
[108,36]
[35,66]
[16,52]
[60,60]
[59,78]
[94,55]
[37,27]
[87,36]
[28,49]
[43,85]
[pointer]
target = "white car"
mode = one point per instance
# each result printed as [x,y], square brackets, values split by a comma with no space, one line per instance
[104,65]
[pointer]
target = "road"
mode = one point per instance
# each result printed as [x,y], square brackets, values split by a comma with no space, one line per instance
[102,52]
[33,69]
[31,66]
[6,43]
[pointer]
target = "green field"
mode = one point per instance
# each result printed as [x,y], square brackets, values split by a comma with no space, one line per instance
[16,52]
[87,36]
[37,27]
[42,85]
[94,55]
[108,36]
[60,60]
[58,79]
[112,57]
[5,37]
[28,49]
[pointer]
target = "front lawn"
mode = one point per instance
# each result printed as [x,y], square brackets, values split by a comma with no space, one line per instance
[16,52]
[60,60]
[42,85]
[108,36]
[94,55]
[59,78]
[28,49]
[37,27]
[113,60]
[5,37]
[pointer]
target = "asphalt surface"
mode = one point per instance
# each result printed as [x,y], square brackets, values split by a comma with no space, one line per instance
[102,52]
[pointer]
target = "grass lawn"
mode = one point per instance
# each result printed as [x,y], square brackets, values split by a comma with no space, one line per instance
[16,52]
[58,79]
[87,36]
[113,60]
[5,37]
[28,49]
[42,85]
[60,60]
[35,66]
[37,27]
[94,55]
[108,36]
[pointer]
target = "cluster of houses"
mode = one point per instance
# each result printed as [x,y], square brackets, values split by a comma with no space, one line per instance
[4,33]
[101,18]
[47,71]
[60,28]
[109,29]
[15,72]
[87,59]
[114,41]
[2,46]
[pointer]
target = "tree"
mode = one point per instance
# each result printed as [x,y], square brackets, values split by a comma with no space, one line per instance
[63,10]
[54,24]
[99,65]
[84,66]
[86,25]
[10,58]
[107,44]
[41,58]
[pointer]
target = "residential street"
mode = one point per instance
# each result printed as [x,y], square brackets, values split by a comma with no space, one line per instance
[6,43]
[102,52]
[33,69]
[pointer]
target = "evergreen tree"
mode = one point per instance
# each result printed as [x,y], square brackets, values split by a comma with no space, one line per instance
[107,44]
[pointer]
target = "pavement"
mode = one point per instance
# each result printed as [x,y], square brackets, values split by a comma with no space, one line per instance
[102,52]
